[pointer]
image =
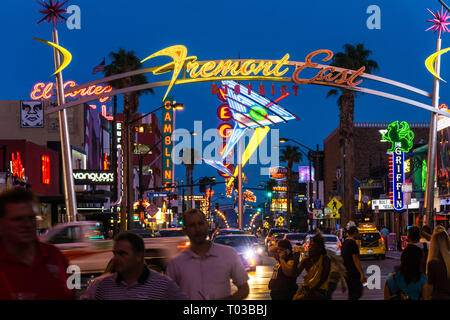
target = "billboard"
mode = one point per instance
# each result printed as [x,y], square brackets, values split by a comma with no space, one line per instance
[303,174]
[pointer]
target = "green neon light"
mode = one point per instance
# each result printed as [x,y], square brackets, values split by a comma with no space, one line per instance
[258,113]
[396,134]
[424,174]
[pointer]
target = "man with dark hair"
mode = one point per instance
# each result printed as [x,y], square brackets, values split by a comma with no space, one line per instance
[414,240]
[132,279]
[283,284]
[355,275]
[29,269]
[203,271]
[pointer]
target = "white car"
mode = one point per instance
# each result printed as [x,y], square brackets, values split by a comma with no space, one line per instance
[332,243]
[296,239]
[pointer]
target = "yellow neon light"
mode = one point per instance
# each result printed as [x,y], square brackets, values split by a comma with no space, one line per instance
[430,62]
[67,56]
[179,55]
[255,140]
[223,218]
[253,219]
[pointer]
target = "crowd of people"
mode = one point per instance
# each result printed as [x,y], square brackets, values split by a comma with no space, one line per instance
[33,270]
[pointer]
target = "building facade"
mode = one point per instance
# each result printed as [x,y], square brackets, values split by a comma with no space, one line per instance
[371,173]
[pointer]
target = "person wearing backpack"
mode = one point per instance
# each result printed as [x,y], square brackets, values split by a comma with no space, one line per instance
[408,282]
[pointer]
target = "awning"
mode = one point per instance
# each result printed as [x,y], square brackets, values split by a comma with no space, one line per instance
[81,198]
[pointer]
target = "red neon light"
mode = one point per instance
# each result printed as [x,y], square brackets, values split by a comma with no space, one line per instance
[104,113]
[17,166]
[45,169]
[44,90]
[105,162]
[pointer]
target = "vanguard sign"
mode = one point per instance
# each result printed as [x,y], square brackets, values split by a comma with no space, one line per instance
[93,177]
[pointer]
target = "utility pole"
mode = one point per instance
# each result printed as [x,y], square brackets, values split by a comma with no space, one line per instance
[240,209]
[432,144]
[115,190]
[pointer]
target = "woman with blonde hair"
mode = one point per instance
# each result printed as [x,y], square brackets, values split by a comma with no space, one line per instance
[438,266]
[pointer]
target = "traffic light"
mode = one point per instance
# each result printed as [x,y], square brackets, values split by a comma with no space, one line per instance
[259,209]
[217,206]
[269,194]
[202,186]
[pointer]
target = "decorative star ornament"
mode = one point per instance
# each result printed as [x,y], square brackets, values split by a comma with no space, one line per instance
[53,11]
[440,21]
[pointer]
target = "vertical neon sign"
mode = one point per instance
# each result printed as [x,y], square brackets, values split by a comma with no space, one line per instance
[401,137]
[45,160]
[167,144]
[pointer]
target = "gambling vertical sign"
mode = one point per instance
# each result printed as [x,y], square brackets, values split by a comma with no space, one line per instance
[167,144]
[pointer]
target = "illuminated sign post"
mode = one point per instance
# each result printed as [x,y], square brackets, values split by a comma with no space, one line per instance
[45,169]
[167,124]
[401,138]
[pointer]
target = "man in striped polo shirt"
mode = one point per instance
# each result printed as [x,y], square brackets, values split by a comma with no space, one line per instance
[132,279]
[204,270]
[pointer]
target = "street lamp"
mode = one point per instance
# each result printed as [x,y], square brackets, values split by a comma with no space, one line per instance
[309,155]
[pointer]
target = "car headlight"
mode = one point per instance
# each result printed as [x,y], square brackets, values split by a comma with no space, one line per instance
[260,250]
[249,254]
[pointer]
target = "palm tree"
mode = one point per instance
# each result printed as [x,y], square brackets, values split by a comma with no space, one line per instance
[290,155]
[353,57]
[125,61]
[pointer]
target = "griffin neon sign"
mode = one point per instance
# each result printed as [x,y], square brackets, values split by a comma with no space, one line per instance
[401,138]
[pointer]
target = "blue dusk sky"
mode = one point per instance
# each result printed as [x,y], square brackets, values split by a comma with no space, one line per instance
[213,30]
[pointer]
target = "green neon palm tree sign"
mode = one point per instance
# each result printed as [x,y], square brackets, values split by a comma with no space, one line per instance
[399,134]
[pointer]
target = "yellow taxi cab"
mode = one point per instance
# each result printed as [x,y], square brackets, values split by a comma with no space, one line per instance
[371,243]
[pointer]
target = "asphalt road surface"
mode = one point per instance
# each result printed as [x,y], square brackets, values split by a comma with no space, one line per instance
[259,279]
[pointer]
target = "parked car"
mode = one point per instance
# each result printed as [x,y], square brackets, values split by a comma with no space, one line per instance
[244,247]
[270,235]
[221,232]
[332,243]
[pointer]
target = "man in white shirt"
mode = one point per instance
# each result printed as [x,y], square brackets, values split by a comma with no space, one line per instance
[203,271]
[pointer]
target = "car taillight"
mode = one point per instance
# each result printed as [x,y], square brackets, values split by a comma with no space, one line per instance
[382,240]
[183,245]
[339,245]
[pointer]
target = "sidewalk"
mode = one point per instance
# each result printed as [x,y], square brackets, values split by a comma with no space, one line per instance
[393,255]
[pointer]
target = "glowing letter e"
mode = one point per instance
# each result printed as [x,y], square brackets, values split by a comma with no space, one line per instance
[374,21]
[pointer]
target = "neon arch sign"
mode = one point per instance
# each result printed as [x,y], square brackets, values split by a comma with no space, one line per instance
[242,69]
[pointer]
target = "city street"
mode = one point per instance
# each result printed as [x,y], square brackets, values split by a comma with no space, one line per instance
[118,153]
[259,279]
